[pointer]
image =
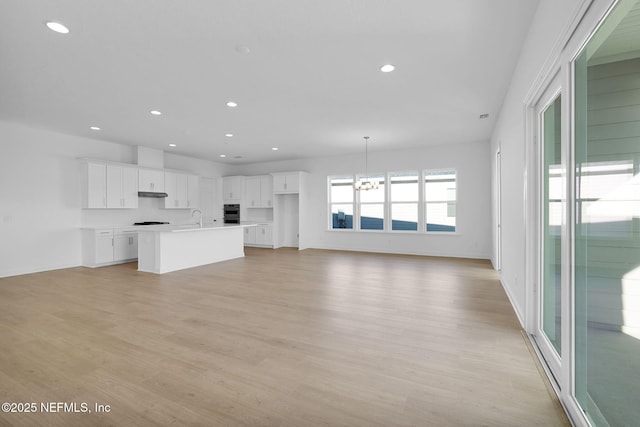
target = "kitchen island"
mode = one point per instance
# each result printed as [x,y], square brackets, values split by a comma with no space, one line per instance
[165,249]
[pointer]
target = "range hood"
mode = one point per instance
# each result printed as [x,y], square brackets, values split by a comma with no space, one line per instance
[152,194]
[151,158]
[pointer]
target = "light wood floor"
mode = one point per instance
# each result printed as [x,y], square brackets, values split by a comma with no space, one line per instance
[278,338]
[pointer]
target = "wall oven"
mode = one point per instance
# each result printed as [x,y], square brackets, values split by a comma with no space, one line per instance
[232,214]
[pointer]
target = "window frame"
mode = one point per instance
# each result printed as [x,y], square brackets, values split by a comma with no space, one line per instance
[448,202]
[388,203]
[391,202]
[332,203]
[358,208]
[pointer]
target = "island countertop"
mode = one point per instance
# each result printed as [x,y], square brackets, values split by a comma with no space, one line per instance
[192,227]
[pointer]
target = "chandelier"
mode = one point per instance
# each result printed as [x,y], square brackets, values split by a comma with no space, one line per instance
[365,183]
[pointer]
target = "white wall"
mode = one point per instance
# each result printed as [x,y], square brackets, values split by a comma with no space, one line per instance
[40,214]
[548,27]
[473,209]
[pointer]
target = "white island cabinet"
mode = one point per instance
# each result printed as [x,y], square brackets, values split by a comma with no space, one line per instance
[162,250]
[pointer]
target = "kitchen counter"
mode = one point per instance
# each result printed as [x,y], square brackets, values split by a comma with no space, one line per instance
[162,249]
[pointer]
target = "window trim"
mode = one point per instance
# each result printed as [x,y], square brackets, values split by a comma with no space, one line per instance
[388,204]
[425,203]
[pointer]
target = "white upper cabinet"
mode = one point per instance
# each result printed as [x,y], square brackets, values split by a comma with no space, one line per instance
[193,191]
[259,191]
[94,185]
[254,199]
[130,187]
[232,189]
[151,180]
[171,188]
[106,185]
[288,182]
[266,191]
[122,187]
[182,190]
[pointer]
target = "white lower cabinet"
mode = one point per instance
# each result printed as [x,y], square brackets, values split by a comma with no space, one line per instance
[108,246]
[125,245]
[249,235]
[260,235]
[264,235]
[97,247]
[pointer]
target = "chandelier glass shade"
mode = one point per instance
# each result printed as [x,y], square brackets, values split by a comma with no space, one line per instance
[365,183]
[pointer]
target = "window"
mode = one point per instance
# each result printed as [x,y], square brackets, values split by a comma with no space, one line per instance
[404,201]
[372,205]
[440,200]
[341,200]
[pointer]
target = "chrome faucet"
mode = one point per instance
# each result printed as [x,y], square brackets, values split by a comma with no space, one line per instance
[198,211]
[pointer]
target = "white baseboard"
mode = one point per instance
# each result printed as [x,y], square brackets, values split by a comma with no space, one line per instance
[387,251]
[512,300]
[38,269]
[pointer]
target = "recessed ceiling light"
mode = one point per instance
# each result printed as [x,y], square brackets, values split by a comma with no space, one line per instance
[57,27]
[387,68]
[223,155]
[232,104]
[172,145]
[94,128]
[155,112]
[274,148]
[228,135]
[242,49]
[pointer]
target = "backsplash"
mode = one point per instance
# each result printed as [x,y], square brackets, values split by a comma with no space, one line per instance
[149,209]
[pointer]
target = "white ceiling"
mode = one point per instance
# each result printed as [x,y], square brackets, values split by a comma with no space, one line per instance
[311,84]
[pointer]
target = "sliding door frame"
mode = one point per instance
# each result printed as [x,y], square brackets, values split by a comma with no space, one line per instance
[587,17]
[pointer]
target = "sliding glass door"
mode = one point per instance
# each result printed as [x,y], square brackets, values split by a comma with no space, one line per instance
[607,220]
[585,239]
